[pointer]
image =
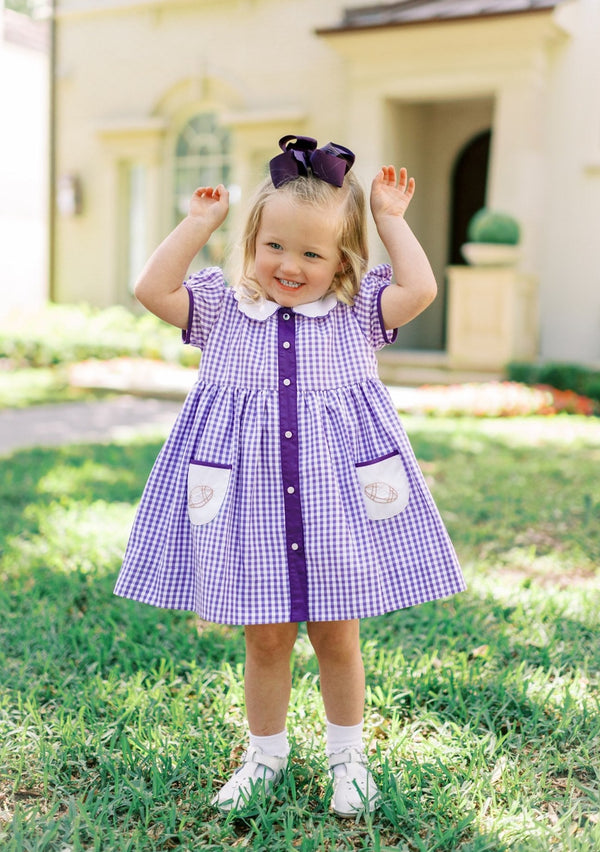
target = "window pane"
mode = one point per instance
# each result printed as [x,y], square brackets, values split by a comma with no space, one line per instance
[202,158]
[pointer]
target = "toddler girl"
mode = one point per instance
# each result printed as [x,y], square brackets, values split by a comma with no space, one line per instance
[287,491]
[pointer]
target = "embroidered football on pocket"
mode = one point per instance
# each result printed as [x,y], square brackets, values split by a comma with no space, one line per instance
[207,487]
[381,492]
[381,498]
[200,496]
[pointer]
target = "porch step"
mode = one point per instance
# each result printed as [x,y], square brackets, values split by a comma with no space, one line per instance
[412,368]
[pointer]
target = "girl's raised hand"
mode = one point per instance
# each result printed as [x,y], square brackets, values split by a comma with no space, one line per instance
[388,197]
[211,204]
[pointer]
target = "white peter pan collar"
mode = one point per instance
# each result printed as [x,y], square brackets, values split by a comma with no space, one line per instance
[264,308]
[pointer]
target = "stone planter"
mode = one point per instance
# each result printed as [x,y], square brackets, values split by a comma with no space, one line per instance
[490,254]
[492,317]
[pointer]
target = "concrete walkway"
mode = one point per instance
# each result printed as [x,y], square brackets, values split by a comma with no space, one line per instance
[105,420]
[129,415]
[82,422]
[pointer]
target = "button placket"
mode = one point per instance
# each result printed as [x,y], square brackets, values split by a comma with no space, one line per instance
[289,449]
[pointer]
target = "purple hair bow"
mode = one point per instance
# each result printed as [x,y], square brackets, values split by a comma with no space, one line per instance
[301,158]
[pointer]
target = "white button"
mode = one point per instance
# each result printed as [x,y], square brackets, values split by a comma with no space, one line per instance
[295,546]
[291,490]
[289,434]
[287,344]
[286,316]
[287,382]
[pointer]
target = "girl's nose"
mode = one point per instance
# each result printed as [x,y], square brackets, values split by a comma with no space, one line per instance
[289,264]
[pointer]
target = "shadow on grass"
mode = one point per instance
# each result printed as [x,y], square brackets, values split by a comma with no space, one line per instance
[66,514]
[123,716]
[494,496]
[85,473]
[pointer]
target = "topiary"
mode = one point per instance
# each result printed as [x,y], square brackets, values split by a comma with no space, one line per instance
[490,226]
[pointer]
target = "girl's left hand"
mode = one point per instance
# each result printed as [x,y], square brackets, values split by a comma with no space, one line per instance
[389,198]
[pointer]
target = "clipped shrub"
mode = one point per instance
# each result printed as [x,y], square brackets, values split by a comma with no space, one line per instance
[491,226]
[562,376]
[66,334]
[591,385]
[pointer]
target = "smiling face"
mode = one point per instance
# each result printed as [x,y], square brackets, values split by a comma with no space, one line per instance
[297,250]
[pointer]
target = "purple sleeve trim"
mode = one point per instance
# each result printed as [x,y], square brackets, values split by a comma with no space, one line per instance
[374,461]
[389,335]
[187,332]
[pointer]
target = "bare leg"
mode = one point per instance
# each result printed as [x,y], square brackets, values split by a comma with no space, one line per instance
[268,679]
[337,646]
[268,684]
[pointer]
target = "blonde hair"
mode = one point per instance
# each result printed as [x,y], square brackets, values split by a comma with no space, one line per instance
[353,246]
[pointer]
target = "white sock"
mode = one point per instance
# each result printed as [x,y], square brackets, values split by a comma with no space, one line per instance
[275,745]
[342,737]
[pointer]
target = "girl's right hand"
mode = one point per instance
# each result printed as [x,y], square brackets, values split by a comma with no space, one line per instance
[211,204]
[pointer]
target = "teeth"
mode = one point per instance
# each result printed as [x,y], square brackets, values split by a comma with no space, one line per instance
[294,284]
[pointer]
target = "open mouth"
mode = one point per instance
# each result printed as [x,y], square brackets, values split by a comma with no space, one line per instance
[290,285]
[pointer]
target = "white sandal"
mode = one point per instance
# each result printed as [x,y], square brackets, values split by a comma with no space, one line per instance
[256,777]
[356,791]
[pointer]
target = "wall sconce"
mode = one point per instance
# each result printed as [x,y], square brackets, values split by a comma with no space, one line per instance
[69,196]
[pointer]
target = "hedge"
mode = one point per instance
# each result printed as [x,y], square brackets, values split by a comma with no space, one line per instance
[562,376]
[66,334]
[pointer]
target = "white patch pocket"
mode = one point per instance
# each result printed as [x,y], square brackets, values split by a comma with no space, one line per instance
[207,486]
[384,486]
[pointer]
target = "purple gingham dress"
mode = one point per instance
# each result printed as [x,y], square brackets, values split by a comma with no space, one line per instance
[287,490]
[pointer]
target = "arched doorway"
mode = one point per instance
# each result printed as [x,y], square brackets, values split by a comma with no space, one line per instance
[469,182]
[447,146]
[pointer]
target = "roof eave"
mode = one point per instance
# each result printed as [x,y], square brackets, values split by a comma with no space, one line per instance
[346,30]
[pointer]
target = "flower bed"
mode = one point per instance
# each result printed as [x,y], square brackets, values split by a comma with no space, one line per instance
[496,399]
[489,399]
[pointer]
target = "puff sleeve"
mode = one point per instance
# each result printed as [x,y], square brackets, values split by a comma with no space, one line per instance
[367,307]
[206,290]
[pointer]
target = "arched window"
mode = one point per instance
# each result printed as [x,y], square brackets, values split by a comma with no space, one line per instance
[202,158]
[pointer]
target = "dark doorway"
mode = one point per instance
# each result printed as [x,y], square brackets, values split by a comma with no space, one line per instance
[469,182]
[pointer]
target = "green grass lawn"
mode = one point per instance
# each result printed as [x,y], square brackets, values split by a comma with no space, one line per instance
[119,721]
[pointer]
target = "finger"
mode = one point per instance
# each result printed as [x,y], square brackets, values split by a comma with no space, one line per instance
[390,175]
[383,175]
[220,191]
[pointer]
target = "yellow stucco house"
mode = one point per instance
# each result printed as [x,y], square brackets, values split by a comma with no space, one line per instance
[492,102]
[24,88]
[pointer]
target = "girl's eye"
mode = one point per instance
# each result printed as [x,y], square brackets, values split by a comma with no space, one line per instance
[274,245]
[311,254]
